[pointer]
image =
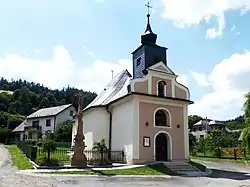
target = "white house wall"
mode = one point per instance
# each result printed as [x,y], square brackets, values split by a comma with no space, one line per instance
[95,126]
[42,123]
[65,116]
[123,127]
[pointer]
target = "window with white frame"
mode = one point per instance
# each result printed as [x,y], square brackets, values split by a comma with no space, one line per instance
[162,118]
[161,87]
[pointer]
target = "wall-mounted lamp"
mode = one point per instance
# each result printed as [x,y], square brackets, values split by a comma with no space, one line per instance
[146,123]
[178,126]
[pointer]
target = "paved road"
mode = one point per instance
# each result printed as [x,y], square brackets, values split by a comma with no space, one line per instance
[8,177]
[225,175]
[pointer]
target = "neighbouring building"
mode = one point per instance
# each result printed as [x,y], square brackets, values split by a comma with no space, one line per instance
[146,115]
[203,127]
[43,120]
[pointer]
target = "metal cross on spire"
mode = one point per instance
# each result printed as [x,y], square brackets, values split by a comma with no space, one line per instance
[148,5]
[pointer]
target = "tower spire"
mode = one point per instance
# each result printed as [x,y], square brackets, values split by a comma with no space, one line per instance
[148,37]
[148,28]
[148,5]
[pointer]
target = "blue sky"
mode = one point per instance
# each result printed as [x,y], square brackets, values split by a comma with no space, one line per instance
[60,43]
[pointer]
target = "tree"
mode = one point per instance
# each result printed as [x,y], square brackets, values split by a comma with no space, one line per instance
[100,146]
[44,103]
[192,142]
[246,130]
[4,101]
[49,146]
[233,125]
[192,119]
[28,97]
[64,132]
[102,149]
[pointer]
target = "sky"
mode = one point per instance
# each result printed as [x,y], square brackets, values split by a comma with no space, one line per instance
[78,43]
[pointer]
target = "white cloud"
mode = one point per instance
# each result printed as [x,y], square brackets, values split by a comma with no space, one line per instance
[60,71]
[229,82]
[216,31]
[237,33]
[190,12]
[183,79]
[201,79]
[88,52]
[91,53]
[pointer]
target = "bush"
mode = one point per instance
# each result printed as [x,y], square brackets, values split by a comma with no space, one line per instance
[49,146]
[39,143]
[31,142]
[44,161]
[5,135]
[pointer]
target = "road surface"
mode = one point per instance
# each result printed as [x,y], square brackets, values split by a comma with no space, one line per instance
[224,175]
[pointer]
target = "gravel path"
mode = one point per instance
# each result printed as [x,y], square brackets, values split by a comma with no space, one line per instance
[8,177]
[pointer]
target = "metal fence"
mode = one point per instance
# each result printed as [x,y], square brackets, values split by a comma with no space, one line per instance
[223,153]
[63,154]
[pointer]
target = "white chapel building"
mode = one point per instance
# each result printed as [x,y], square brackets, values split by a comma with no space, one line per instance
[146,114]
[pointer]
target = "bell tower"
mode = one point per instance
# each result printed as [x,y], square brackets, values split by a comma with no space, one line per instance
[149,53]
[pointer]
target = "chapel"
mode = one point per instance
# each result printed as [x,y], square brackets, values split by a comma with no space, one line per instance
[145,113]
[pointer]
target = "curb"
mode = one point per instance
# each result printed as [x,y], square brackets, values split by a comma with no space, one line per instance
[101,176]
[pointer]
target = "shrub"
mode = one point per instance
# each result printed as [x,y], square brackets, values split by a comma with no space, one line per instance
[39,143]
[44,161]
[31,142]
[5,135]
[49,146]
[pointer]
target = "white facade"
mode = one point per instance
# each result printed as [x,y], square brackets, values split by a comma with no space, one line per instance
[124,128]
[96,127]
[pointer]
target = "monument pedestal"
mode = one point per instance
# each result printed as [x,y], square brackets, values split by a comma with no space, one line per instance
[79,159]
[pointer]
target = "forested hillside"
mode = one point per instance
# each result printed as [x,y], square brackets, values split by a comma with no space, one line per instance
[21,98]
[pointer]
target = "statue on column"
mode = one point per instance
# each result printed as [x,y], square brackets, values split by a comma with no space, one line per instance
[78,158]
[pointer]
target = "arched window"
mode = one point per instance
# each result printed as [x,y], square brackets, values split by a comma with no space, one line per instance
[161,88]
[162,118]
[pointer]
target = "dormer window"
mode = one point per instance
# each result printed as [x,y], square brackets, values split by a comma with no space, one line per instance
[161,87]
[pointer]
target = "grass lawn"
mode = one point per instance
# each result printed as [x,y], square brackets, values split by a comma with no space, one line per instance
[154,169]
[18,158]
[221,160]
[198,166]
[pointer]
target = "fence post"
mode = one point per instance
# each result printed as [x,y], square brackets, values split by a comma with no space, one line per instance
[219,151]
[102,156]
[123,156]
[33,153]
[235,154]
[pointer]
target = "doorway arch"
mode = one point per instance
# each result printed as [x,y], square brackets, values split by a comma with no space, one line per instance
[163,146]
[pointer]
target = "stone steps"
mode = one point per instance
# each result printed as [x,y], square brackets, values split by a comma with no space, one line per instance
[183,168]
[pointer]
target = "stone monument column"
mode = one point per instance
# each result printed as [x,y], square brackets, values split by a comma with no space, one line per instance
[78,158]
